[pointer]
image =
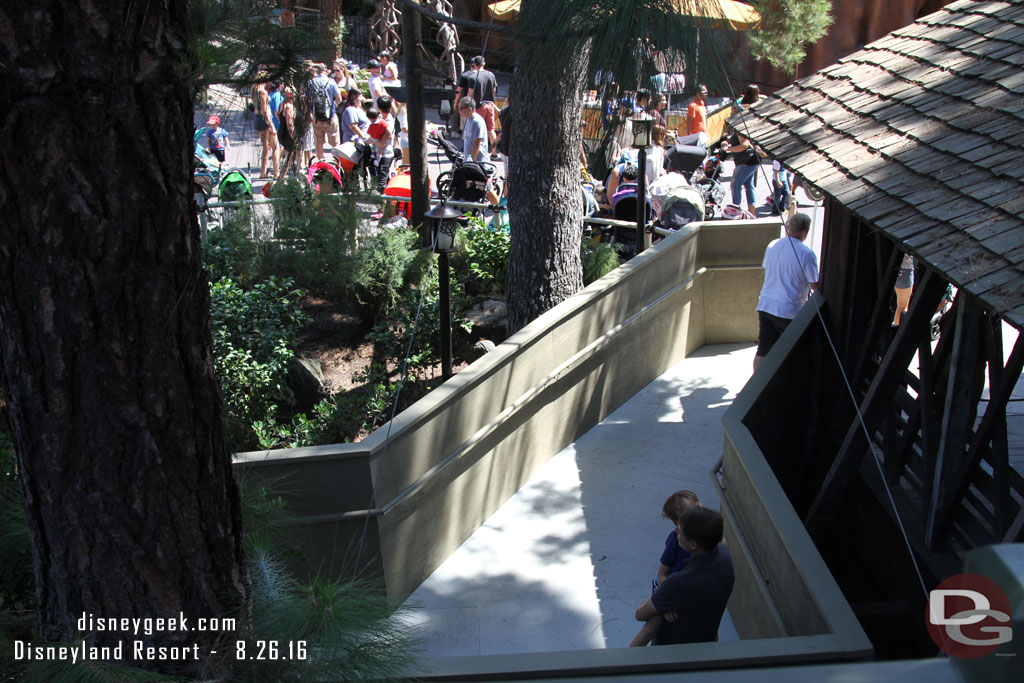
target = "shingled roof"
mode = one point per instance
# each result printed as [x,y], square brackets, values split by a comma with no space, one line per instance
[920,134]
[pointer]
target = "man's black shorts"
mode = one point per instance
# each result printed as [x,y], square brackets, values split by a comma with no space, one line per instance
[769,330]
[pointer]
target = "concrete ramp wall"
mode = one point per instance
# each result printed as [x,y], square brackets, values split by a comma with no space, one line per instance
[459,453]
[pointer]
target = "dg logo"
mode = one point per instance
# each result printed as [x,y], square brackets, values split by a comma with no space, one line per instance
[969,616]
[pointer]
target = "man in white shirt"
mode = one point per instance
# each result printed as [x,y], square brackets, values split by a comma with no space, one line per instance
[790,275]
[474,132]
[376,83]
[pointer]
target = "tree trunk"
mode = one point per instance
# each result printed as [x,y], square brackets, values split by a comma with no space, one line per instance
[330,13]
[104,324]
[545,199]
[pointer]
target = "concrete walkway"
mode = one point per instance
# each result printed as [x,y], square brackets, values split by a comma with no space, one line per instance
[563,564]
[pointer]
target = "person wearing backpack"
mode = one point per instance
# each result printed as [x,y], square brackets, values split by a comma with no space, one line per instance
[323,97]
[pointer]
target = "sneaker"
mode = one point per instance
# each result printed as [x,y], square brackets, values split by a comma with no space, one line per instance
[495,157]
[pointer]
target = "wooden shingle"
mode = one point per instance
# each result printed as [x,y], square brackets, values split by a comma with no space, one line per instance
[921,135]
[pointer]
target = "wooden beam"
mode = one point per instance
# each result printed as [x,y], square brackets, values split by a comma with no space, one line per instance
[1016,531]
[999,449]
[879,316]
[914,326]
[928,416]
[954,466]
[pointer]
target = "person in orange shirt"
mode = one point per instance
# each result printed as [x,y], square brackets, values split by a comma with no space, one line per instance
[697,116]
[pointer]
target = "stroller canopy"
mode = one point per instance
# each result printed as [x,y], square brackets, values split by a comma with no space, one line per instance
[624,203]
[685,158]
[682,205]
[235,185]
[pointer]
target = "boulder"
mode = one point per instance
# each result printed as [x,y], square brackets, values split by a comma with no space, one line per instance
[306,380]
[488,316]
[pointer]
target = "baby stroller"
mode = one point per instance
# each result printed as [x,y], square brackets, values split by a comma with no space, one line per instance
[625,206]
[682,205]
[207,172]
[325,177]
[235,186]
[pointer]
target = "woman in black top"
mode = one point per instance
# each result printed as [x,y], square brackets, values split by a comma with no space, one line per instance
[747,162]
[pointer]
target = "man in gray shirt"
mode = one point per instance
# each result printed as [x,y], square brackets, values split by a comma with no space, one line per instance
[474,132]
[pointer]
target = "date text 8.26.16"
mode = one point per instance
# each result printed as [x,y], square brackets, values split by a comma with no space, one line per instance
[270,650]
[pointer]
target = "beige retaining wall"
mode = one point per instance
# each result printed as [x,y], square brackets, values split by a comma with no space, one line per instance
[459,453]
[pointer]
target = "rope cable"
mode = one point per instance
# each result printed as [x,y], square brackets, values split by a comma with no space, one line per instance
[394,408]
[842,372]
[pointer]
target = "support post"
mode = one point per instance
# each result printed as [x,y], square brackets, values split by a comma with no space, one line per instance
[642,240]
[419,181]
[444,274]
[878,398]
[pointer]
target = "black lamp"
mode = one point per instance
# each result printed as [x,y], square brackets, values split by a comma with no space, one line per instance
[445,222]
[642,128]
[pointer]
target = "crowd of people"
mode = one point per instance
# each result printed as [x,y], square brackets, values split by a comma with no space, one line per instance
[339,113]
[619,112]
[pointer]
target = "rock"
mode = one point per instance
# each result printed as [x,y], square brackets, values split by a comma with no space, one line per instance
[488,316]
[306,380]
[482,348]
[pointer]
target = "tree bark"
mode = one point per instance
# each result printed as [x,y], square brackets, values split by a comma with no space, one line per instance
[330,13]
[545,199]
[104,324]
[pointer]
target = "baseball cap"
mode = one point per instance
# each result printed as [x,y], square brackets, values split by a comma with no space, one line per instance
[478,60]
[373,64]
[213,121]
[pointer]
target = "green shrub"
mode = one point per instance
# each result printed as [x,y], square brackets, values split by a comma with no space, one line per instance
[254,333]
[485,254]
[231,251]
[382,268]
[307,237]
[316,238]
[599,259]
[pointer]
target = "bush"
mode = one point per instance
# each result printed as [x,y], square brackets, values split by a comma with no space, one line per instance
[307,237]
[599,259]
[316,237]
[485,255]
[254,333]
[382,268]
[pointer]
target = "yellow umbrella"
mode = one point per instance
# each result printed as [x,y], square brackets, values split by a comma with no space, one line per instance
[728,14]
[505,10]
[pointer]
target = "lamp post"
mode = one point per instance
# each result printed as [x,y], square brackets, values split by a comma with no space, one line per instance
[641,141]
[444,222]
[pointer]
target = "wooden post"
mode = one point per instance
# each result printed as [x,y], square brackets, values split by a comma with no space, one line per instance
[878,398]
[419,182]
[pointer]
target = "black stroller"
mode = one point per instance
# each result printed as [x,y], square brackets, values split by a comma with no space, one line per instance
[467,181]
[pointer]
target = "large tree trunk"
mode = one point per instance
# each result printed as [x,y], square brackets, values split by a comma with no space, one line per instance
[545,199]
[104,323]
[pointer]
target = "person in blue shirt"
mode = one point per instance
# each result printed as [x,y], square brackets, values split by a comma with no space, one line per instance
[693,599]
[672,558]
[276,99]
[217,139]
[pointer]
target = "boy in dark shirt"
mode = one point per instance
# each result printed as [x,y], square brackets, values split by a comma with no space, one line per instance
[671,559]
[694,599]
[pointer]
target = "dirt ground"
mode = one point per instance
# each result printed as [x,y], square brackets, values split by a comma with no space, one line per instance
[336,336]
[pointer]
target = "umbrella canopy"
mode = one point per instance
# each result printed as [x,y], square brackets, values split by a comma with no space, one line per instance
[725,14]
